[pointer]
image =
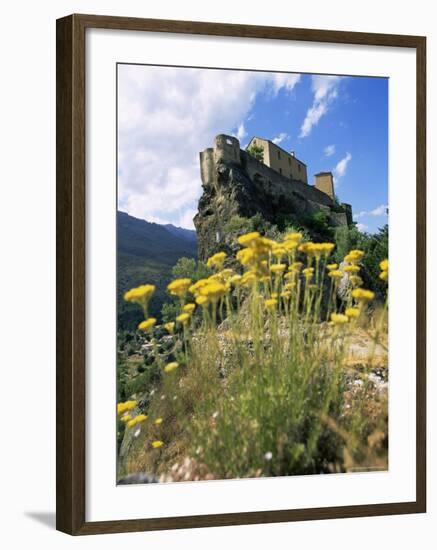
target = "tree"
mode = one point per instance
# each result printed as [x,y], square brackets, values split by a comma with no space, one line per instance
[257,152]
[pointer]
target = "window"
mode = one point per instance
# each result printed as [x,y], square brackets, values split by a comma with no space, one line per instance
[298,167]
[279,154]
[289,161]
[280,170]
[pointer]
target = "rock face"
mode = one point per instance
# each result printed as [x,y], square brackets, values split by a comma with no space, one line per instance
[235,184]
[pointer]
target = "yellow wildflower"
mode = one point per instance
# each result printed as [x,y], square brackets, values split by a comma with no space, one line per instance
[183,318]
[296,266]
[158,421]
[308,272]
[202,301]
[363,295]
[213,291]
[286,294]
[293,237]
[331,267]
[339,318]
[354,256]
[248,278]
[306,248]
[336,274]
[235,280]
[384,270]
[246,256]
[353,268]
[290,245]
[250,239]
[157,444]
[289,286]
[352,312]
[189,308]
[169,327]
[195,288]
[140,294]
[271,303]
[179,287]
[148,324]
[279,251]
[384,265]
[327,248]
[126,417]
[126,406]
[171,367]
[137,420]
[277,269]
[216,260]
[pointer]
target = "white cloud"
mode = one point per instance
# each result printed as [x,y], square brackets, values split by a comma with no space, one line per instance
[325,91]
[241,132]
[362,227]
[285,81]
[329,150]
[279,139]
[380,210]
[341,167]
[166,116]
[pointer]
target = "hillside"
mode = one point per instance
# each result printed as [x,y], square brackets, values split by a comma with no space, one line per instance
[146,252]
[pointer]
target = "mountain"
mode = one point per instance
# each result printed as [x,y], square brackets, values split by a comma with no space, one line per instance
[146,253]
[188,234]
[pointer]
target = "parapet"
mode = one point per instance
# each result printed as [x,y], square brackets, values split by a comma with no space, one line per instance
[226,149]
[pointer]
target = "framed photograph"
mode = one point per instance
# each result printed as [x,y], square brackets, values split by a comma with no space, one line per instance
[232,345]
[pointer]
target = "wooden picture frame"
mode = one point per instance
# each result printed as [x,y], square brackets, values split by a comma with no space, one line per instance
[71,254]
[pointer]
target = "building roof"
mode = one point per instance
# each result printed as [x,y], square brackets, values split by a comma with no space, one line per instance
[323,174]
[275,145]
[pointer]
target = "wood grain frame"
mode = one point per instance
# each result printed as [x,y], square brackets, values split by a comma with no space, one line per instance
[70,298]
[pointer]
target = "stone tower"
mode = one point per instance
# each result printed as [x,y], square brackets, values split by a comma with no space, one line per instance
[324,182]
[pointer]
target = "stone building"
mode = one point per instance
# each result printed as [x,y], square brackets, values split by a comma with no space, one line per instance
[280,160]
[236,185]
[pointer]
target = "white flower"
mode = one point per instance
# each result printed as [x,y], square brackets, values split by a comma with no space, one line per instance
[268,456]
[215,415]
[137,433]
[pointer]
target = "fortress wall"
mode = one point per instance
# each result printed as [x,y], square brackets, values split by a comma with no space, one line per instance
[281,184]
[207,167]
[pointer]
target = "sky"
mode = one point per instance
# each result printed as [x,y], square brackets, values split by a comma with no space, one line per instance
[167,115]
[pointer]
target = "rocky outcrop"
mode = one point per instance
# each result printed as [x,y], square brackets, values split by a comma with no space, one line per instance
[236,185]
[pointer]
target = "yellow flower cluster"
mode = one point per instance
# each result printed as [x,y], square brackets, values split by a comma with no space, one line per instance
[171,367]
[339,318]
[148,324]
[126,406]
[140,295]
[316,250]
[216,260]
[384,270]
[362,295]
[179,287]
[137,420]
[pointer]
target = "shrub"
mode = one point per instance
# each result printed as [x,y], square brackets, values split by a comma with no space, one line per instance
[258,385]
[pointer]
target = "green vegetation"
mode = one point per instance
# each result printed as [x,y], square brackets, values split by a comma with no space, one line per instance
[256,378]
[257,152]
[375,247]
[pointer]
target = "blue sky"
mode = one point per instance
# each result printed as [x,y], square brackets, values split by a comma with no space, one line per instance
[166,115]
